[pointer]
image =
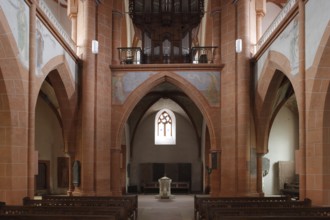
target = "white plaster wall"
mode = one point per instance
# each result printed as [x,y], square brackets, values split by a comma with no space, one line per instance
[17,14]
[185,150]
[60,13]
[283,140]
[317,19]
[47,48]
[286,44]
[49,141]
[272,11]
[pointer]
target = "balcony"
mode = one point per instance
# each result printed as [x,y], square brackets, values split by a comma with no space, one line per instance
[130,55]
[203,54]
[197,55]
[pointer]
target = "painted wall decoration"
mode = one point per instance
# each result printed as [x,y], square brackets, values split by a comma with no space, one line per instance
[208,83]
[286,44]
[290,36]
[317,20]
[44,39]
[124,84]
[17,14]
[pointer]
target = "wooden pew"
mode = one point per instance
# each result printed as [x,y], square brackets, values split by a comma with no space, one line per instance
[268,213]
[19,212]
[128,209]
[130,202]
[253,204]
[200,199]
[56,217]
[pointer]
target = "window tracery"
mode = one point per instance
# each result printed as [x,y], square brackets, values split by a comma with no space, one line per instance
[165,127]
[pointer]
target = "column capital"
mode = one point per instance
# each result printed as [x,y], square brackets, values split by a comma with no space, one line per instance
[261,6]
[72,8]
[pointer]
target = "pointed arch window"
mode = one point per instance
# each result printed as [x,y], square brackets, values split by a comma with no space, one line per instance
[165,128]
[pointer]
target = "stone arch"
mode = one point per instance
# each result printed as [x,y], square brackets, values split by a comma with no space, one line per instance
[135,96]
[65,88]
[318,124]
[275,68]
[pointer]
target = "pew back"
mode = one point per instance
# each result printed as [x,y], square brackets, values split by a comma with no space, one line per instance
[130,202]
[203,203]
[265,213]
[117,213]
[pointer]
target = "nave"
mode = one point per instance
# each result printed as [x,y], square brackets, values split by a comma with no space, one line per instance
[181,207]
[152,207]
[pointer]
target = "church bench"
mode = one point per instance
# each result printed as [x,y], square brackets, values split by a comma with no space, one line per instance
[57,217]
[205,206]
[128,208]
[199,199]
[128,201]
[266,213]
[180,186]
[151,187]
[15,212]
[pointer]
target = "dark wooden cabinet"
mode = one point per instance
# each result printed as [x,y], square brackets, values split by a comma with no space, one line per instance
[150,173]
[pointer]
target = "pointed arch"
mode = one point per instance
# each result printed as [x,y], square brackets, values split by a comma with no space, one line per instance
[121,113]
[65,88]
[276,67]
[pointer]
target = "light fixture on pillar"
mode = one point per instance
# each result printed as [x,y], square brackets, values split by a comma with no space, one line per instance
[95,47]
[238,45]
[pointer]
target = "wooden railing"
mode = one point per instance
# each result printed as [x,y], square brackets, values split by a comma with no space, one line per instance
[203,54]
[197,55]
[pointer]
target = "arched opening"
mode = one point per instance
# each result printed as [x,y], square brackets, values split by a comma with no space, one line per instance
[54,142]
[53,164]
[279,163]
[183,160]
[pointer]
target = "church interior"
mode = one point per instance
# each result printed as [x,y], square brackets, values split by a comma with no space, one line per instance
[105,98]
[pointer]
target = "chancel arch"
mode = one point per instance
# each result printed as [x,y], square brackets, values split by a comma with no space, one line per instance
[167,86]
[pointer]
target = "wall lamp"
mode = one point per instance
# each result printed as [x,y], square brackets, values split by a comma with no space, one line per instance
[238,46]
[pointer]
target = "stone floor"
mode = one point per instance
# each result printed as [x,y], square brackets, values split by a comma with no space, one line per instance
[181,207]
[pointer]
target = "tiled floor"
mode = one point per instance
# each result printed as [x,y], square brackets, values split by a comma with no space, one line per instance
[181,207]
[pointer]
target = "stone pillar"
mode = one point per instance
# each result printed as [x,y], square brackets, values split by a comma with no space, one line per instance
[242,99]
[260,12]
[302,107]
[259,174]
[102,99]
[32,100]
[86,149]
[116,35]
[115,172]
[227,131]
[72,13]
[216,29]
